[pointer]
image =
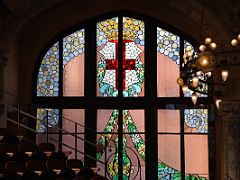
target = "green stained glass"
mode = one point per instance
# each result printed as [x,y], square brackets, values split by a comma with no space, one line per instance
[42,114]
[73,45]
[196,120]
[48,75]
[168,44]
[134,138]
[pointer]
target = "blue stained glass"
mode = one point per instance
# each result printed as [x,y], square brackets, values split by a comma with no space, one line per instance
[46,84]
[168,44]
[53,119]
[73,45]
[196,120]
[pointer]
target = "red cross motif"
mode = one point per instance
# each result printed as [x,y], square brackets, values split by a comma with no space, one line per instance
[112,64]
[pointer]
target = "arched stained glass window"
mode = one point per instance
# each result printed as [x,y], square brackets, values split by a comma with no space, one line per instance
[69,93]
[48,76]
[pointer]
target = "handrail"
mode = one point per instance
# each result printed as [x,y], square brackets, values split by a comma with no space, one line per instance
[35,106]
[59,129]
[85,154]
[33,130]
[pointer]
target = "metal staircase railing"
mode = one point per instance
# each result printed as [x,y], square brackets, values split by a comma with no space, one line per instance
[22,115]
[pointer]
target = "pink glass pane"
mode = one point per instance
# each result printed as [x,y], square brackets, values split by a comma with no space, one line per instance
[169,151]
[73,64]
[167,74]
[196,155]
[70,116]
[169,121]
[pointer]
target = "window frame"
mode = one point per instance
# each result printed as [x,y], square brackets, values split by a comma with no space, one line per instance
[150,103]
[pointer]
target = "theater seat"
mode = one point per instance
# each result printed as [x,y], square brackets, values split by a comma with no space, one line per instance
[47,148]
[15,167]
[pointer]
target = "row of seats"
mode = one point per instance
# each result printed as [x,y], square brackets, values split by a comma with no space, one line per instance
[23,160]
[52,169]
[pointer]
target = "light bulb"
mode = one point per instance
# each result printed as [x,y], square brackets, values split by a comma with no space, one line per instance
[189,54]
[234,42]
[194,98]
[208,40]
[204,60]
[224,74]
[180,81]
[199,73]
[195,81]
[239,37]
[202,48]
[217,102]
[209,74]
[185,58]
[213,46]
[188,49]
[184,89]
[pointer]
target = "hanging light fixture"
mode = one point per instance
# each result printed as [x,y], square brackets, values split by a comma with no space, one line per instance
[195,81]
[224,74]
[185,89]
[197,66]
[218,101]
[194,98]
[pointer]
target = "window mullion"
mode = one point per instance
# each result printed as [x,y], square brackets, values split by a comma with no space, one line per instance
[120,95]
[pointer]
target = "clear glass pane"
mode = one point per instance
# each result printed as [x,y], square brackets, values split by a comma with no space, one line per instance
[73,64]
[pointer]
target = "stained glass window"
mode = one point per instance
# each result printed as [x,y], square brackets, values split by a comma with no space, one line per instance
[133,61]
[42,115]
[168,44]
[73,46]
[133,58]
[69,118]
[133,144]
[171,136]
[48,75]
[168,59]
[196,156]
[196,120]
[73,64]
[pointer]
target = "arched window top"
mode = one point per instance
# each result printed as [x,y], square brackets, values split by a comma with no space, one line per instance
[65,69]
[73,45]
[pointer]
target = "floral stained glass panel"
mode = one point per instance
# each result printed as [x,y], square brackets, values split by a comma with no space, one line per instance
[73,64]
[48,75]
[133,144]
[42,115]
[196,120]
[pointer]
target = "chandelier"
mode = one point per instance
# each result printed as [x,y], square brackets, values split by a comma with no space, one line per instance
[197,68]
